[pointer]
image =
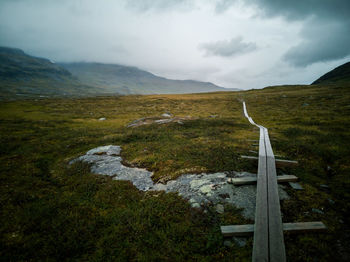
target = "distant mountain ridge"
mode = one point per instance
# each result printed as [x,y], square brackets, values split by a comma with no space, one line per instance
[132,80]
[22,74]
[338,74]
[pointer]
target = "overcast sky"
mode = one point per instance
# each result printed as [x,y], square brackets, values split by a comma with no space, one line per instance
[232,43]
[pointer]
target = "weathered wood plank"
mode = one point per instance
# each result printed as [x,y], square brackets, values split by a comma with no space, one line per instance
[250,157]
[301,227]
[252,151]
[279,162]
[284,162]
[261,234]
[277,250]
[252,180]
[248,229]
[237,230]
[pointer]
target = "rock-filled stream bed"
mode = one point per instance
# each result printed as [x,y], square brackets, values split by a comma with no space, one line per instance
[199,189]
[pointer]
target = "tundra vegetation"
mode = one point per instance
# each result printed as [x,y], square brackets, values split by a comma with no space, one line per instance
[53,211]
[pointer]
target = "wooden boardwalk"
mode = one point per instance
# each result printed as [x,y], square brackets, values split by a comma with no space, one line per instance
[268,227]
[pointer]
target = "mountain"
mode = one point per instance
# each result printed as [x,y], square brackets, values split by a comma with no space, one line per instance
[25,75]
[337,75]
[131,80]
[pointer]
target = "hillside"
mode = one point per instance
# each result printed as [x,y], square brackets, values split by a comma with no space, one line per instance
[338,74]
[131,80]
[22,75]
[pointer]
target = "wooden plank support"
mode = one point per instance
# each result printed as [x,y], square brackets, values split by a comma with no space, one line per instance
[283,162]
[252,180]
[237,230]
[248,230]
[250,157]
[279,162]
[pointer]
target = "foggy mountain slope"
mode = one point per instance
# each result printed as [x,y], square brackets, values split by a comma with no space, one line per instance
[132,80]
[25,75]
[22,74]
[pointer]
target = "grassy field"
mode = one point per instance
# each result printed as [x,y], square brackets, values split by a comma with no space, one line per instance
[53,211]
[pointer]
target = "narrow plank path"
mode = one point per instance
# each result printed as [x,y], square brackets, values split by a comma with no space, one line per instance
[268,228]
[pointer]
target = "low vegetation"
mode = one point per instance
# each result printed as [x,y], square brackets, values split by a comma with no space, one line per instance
[53,211]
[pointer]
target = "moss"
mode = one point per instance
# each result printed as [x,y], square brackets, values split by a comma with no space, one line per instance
[49,211]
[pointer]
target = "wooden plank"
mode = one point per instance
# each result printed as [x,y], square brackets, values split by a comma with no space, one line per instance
[252,151]
[250,157]
[237,230]
[284,162]
[277,252]
[299,227]
[261,236]
[268,229]
[302,227]
[243,181]
[252,180]
[279,162]
[286,178]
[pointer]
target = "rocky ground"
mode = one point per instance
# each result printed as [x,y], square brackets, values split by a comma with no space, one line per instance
[200,190]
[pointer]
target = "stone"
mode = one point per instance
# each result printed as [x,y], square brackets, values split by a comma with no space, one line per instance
[163,121]
[220,209]
[240,241]
[318,211]
[227,243]
[108,150]
[331,201]
[195,205]
[324,186]
[166,115]
[200,189]
[295,186]
[104,161]
[206,189]
[102,119]
[141,178]
[159,187]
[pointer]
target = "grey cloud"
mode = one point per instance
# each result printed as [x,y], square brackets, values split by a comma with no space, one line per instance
[321,43]
[222,5]
[157,5]
[325,36]
[225,48]
[294,10]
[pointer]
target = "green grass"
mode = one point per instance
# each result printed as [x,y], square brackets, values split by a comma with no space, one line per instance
[50,211]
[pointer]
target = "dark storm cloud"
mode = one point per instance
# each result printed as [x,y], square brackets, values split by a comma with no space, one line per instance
[225,48]
[325,34]
[321,43]
[294,10]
